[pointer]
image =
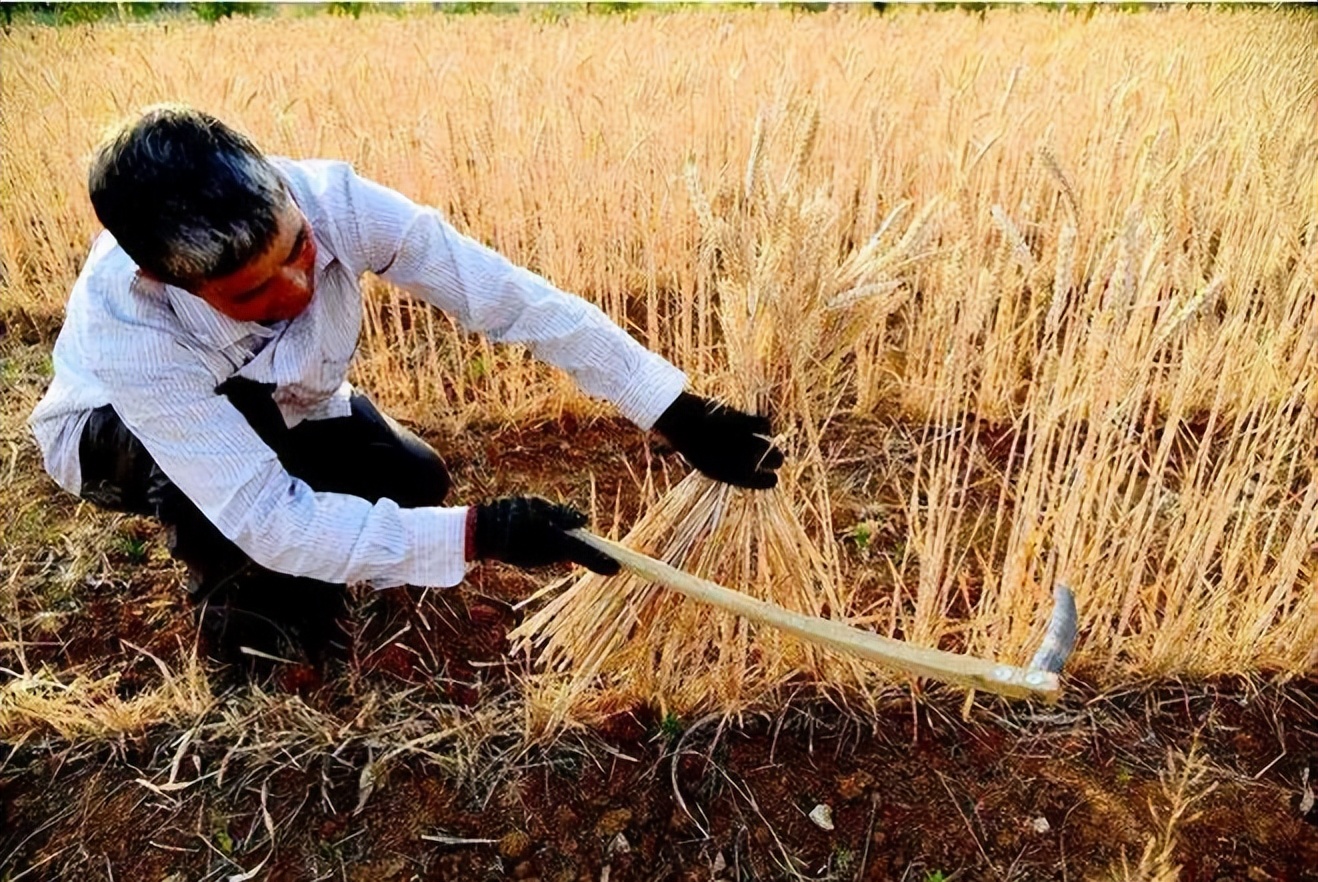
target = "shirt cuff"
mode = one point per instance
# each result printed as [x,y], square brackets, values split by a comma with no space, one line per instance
[654,386]
[438,542]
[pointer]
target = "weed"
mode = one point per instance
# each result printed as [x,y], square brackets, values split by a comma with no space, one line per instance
[220,836]
[841,861]
[671,728]
[131,547]
[861,534]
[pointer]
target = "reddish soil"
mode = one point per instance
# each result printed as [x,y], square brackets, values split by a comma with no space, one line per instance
[916,792]
[912,796]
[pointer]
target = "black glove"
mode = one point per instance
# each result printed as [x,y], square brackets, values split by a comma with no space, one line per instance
[528,531]
[724,443]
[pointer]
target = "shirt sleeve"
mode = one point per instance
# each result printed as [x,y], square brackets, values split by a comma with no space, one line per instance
[415,248]
[205,446]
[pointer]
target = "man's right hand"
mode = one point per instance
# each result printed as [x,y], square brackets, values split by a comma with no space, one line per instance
[529,531]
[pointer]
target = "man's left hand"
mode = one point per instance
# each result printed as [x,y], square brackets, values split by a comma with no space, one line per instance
[722,442]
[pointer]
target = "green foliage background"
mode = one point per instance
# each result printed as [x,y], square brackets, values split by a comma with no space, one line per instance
[60,14]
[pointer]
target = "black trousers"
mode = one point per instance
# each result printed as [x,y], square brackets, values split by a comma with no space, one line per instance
[239,603]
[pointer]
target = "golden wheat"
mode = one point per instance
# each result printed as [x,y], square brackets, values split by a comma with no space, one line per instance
[788,312]
[1107,267]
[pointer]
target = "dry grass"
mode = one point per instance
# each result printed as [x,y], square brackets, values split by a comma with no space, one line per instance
[1185,781]
[89,711]
[1105,352]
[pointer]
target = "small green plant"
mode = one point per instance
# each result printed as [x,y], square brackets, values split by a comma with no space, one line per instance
[861,534]
[670,727]
[842,860]
[130,546]
[219,825]
[935,876]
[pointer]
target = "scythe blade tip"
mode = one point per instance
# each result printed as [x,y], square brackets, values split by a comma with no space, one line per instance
[1060,639]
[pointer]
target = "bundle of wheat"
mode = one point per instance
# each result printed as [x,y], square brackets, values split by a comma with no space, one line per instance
[789,313]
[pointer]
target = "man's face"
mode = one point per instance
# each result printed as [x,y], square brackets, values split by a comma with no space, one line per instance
[273,286]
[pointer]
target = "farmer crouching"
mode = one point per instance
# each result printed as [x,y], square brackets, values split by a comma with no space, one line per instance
[200,379]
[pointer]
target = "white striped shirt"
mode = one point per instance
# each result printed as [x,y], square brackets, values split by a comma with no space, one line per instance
[156,353]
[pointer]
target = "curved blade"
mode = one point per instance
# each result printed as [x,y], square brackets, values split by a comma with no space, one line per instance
[1060,638]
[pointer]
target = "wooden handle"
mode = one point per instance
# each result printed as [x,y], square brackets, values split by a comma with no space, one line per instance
[936,664]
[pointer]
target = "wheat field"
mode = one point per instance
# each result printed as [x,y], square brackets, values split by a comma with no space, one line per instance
[1097,351]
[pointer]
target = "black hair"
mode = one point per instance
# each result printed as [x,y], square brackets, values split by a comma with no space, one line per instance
[186,196]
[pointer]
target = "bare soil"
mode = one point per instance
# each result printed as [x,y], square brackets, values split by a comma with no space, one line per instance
[914,791]
[917,791]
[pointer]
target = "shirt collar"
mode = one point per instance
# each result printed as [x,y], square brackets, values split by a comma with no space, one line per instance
[306,204]
[208,324]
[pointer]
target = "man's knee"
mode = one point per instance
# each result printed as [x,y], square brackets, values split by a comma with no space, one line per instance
[405,468]
[422,480]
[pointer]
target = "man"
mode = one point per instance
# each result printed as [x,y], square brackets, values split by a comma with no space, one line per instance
[200,379]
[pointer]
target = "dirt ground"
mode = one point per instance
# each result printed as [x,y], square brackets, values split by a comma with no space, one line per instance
[1219,775]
